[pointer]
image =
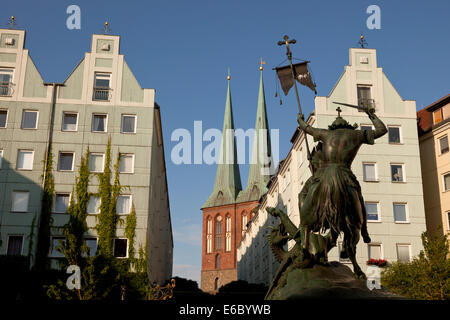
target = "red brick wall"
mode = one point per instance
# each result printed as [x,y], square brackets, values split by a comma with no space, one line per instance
[227,271]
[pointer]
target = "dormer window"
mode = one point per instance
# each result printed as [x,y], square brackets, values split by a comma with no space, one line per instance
[102,86]
[6,77]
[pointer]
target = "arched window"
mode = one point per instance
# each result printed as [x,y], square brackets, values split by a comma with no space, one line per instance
[218,261]
[209,235]
[228,233]
[218,239]
[244,222]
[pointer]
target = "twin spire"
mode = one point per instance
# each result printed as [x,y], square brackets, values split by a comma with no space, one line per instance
[228,186]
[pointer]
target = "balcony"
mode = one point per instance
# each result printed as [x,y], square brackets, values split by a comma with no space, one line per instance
[6,89]
[102,94]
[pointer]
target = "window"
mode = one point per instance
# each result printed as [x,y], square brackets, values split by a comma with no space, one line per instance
[397,173]
[15,244]
[1,158]
[437,116]
[400,212]
[20,201]
[218,240]
[57,243]
[120,248]
[126,163]
[446,182]
[96,162]
[123,204]
[369,172]
[244,223]
[443,145]
[62,201]
[91,243]
[209,235]
[99,122]
[101,86]
[375,251]
[218,261]
[93,206]
[3,118]
[228,233]
[29,119]
[372,211]
[70,121]
[6,77]
[394,134]
[65,162]
[343,260]
[366,127]
[25,160]
[128,123]
[403,252]
[364,97]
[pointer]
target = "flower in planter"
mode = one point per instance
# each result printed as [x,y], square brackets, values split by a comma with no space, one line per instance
[377,262]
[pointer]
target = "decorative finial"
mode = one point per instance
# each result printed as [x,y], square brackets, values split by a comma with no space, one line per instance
[106,28]
[12,22]
[261,64]
[362,42]
[228,76]
[339,110]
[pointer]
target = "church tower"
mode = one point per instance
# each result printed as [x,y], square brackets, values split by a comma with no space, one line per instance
[229,208]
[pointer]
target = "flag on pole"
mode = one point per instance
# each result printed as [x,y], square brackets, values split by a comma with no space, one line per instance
[301,74]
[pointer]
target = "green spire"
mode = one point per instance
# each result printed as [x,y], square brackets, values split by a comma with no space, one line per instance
[228,179]
[258,176]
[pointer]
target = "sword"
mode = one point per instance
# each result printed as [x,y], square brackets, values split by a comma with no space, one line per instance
[365,109]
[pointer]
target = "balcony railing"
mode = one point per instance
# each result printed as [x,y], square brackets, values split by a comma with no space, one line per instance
[6,89]
[102,94]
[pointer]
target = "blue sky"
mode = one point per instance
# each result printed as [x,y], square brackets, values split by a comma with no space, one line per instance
[183,50]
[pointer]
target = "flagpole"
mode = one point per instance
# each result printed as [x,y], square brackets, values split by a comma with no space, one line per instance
[289,55]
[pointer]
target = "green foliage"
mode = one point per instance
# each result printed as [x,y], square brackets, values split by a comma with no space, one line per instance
[425,277]
[45,220]
[130,231]
[107,218]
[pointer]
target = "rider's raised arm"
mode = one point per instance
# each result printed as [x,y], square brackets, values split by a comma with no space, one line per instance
[318,134]
[380,128]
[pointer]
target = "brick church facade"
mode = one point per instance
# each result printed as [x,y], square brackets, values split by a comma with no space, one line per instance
[229,208]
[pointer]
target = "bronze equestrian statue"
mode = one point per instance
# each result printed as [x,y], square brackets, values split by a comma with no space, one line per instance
[331,199]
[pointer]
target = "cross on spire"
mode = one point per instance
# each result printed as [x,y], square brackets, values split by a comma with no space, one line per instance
[12,22]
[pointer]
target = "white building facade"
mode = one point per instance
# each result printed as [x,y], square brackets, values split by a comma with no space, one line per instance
[388,171]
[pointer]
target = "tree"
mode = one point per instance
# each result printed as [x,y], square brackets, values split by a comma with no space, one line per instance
[425,277]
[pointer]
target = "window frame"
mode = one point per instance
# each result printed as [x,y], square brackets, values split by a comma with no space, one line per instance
[367,86]
[11,82]
[374,244]
[131,204]
[366,125]
[12,201]
[132,162]
[54,202]
[23,115]
[400,135]
[375,169]
[96,247]
[121,123]
[106,122]
[50,254]
[103,162]
[32,160]
[62,121]
[93,213]
[114,247]
[406,212]
[21,247]
[6,119]
[403,171]
[59,161]
[440,147]
[409,251]
[377,203]
[443,182]
[98,75]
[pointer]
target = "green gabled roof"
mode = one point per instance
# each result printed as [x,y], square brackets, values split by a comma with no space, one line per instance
[228,180]
[257,179]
